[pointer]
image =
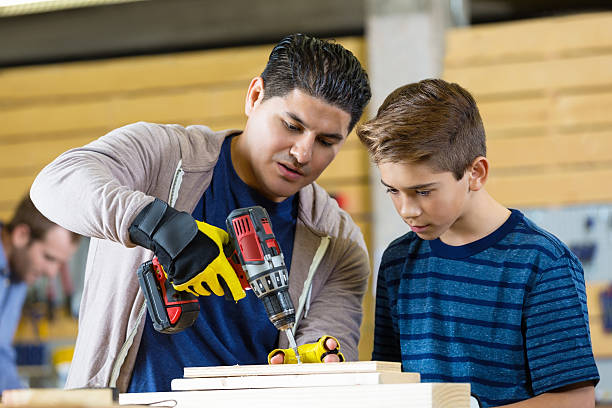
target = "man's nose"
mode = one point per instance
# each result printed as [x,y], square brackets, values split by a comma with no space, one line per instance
[52,270]
[302,148]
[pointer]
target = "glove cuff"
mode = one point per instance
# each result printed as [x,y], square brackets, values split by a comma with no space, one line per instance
[165,231]
[144,225]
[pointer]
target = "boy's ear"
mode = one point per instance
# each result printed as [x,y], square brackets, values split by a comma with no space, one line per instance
[254,95]
[478,172]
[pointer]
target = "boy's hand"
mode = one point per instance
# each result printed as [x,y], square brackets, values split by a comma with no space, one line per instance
[325,350]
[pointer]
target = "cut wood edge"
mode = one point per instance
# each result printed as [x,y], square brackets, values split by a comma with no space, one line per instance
[288,369]
[293,381]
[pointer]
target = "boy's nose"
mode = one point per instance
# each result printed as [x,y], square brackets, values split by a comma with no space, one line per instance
[409,209]
[302,149]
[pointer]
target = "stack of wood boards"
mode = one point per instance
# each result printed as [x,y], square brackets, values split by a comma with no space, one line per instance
[352,384]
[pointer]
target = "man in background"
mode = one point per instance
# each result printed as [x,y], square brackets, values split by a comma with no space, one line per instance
[31,246]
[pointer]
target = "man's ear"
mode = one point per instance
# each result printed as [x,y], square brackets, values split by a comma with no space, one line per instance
[20,236]
[478,172]
[254,95]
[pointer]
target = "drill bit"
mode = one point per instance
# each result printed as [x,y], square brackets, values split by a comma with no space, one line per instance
[292,344]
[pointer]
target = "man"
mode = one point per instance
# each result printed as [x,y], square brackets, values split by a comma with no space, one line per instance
[31,246]
[138,184]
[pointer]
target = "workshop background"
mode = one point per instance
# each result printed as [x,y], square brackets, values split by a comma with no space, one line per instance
[541,72]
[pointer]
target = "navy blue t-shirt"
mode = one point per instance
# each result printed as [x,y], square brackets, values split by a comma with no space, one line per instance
[225,333]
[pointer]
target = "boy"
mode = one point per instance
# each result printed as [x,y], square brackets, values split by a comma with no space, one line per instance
[475,292]
[140,187]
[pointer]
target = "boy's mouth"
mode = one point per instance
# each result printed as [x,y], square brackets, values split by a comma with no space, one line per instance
[418,228]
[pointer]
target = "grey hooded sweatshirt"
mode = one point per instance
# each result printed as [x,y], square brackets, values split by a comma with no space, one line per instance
[98,189]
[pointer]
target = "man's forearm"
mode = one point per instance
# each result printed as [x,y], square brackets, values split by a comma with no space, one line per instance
[582,397]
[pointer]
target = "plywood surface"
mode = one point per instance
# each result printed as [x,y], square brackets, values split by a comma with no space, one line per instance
[421,395]
[293,381]
[292,369]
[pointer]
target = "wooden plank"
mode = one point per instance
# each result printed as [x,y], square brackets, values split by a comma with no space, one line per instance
[36,154]
[49,397]
[564,186]
[551,150]
[14,188]
[292,369]
[546,114]
[351,161]
[600,339]
[353,195]
[292,381]
[420,395]
[594,290]
[529,39]
[536,77]
[130,74]
[179,107]
[143,73]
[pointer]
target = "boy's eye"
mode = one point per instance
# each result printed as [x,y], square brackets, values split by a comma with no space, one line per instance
[391,190]
[423,192]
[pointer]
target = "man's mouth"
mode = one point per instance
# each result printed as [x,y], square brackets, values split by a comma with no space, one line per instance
[290,172]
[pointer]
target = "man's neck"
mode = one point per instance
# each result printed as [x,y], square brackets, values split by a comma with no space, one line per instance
[5,237]
[483,217]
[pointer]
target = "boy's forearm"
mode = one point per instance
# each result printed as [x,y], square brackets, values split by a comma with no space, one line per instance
[583,397]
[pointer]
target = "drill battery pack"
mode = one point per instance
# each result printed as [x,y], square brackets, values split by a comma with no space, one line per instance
[170,310]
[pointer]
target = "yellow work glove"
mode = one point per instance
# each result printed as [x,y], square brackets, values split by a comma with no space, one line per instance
[207,281]
[190,252]
[309,352]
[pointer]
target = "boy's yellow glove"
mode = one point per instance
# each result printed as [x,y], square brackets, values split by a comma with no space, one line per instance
[309,352]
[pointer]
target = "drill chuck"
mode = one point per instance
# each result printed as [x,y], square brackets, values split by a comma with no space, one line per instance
[280,310]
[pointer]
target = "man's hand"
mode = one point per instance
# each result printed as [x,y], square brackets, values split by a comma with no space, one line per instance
[190,252]
[325,350]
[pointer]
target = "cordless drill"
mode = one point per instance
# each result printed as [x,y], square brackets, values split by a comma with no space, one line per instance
[258,262]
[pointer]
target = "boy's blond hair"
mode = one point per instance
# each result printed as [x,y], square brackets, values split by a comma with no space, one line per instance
[432,122]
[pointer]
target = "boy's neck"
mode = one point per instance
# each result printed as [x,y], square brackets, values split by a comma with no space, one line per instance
[482,216]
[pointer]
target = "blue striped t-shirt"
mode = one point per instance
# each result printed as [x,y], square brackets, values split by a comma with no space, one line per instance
[506,313]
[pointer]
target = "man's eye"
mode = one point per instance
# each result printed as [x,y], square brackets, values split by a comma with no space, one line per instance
[391,191]
[325,142]
[290,126]
[423,192]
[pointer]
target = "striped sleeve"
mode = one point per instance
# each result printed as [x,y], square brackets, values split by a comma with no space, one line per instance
[386,339]
[557,339]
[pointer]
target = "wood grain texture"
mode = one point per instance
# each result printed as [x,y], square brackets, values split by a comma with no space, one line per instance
[421,395]
[552,187]
[293,369]
[49,397]
[529,39]
[292,381]
[544,91]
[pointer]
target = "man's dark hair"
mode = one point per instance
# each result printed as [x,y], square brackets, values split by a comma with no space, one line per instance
[26,213]
[321,68]
[432,122]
